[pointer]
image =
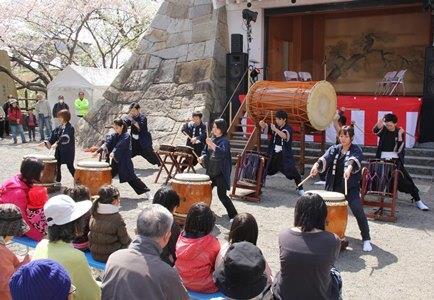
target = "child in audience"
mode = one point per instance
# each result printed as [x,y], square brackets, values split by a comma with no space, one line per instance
[11,224]
[168,198]
[243,229]
[197,249]
[38,196]
[31,124]
[80,193]
[108,232]
[41,279]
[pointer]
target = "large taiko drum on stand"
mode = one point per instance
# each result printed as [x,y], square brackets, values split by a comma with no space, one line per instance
[337,211]
[93,175]
[49,173]
[192,188]
[312,102]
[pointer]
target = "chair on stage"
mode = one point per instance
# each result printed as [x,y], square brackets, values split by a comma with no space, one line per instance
[398,80]
[384,85]
[304,76]
[290,76]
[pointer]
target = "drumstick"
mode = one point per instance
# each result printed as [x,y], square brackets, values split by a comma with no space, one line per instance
[301,183]
[346,186]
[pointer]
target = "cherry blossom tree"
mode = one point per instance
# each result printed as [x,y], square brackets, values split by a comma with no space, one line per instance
[44,36]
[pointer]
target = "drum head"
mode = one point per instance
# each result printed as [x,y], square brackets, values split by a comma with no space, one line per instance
[321,105]
[41,157]
[328,196]
[92,164]
[192,177]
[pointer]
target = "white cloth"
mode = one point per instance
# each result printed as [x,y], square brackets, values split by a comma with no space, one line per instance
[107,209]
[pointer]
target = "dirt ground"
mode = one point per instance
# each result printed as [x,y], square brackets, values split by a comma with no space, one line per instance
[399,267]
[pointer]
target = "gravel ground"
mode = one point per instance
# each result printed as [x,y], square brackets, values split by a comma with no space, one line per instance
[399,267]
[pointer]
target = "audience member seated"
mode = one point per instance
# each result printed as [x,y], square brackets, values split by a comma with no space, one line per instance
[138,272]
[243,229]
[168,198]
[65,222]
[80,193]
[242,273]
[307,255]
[108,232]
[41,279]
[38,196]
[197,249]
[16,190]
[11,224]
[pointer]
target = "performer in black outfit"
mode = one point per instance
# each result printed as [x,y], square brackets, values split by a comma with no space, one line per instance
[280,150]
[118,146]
[392,144]
[196,135]
[141,137]
[344,161]
[218,162]
[64,138]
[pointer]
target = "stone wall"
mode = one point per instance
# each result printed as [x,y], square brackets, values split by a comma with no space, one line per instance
[178,67]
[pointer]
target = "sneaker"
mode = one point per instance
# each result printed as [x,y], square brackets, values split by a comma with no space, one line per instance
[321,182]
[422,205]
[231,220]
[300,192]
[24,142]
[367,247]
[147,196]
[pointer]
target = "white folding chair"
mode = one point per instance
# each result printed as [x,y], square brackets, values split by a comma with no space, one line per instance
[398,80]
[305,76]
[290,75]
[384,85]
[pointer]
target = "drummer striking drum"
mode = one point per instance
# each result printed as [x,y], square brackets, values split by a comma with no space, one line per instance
[196,135]
[391,145]
[343,162]
[141,139]
[280,150]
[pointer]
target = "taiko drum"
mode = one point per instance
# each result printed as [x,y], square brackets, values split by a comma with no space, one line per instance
[312,102]
[337,211]
[192,188]
[93,175]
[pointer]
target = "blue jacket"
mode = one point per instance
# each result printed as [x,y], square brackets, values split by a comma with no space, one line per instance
[354,155]
[145,138]
[120,145]
[65,138]
[288,158]
[222,153]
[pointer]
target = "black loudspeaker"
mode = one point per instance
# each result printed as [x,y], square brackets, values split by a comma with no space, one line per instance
[236,67]
[236,43]
[426,118]
[428,82]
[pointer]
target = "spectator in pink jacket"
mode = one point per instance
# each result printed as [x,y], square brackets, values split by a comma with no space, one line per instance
[197,249]
[16,190]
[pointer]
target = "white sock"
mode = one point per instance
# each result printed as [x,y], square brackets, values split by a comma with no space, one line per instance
[367,247]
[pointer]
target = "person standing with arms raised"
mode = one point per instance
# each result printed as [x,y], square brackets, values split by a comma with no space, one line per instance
[81,105]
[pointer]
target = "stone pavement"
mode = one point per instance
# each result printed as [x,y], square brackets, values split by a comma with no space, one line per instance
[400,265]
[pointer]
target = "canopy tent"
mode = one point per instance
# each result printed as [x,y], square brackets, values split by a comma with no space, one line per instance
[73,79]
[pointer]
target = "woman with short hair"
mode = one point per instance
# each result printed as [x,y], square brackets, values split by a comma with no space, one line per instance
[218,162]
[307,255]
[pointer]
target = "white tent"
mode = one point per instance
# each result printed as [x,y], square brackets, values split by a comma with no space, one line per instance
[73,79]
